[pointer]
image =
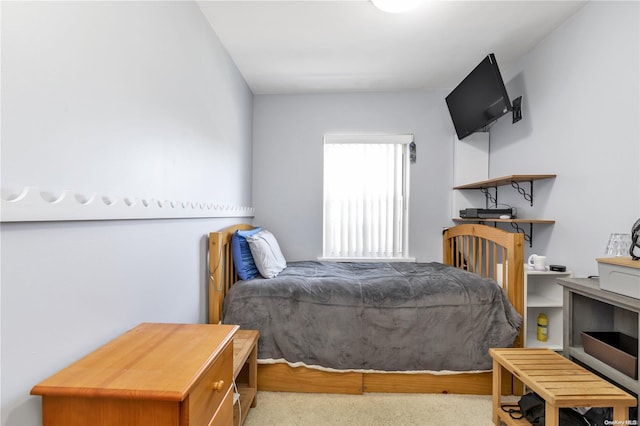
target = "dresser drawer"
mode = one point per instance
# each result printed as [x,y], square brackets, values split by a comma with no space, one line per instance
[224,415]
[210,391]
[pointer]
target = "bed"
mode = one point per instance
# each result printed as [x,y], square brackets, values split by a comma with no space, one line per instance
[345,356]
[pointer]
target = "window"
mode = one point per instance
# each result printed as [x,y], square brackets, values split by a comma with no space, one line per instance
[366,196]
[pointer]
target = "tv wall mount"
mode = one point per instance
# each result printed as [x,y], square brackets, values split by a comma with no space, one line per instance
[516,109]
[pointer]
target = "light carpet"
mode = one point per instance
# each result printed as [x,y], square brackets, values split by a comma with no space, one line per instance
[371,409]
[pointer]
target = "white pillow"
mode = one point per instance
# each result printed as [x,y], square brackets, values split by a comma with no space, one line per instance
[266,254]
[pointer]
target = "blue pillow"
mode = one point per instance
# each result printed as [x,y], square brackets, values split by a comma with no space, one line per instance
[242,257]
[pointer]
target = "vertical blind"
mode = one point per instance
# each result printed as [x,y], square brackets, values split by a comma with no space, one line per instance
[365,197]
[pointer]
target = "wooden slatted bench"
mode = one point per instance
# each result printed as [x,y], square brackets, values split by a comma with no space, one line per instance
[560,382]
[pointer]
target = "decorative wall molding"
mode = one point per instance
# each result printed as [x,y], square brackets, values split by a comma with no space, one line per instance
[33,204]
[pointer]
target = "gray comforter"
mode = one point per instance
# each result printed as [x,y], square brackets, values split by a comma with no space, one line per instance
[375,316]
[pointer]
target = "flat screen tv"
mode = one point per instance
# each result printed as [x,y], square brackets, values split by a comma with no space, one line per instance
[479,99]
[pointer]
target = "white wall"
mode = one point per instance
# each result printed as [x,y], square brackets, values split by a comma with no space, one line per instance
[581,94]
[287,173]
[131,99]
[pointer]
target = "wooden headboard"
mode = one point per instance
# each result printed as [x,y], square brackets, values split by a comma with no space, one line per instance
[222,273]
[483,250]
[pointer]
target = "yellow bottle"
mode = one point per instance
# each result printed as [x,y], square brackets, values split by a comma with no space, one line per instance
[542,327]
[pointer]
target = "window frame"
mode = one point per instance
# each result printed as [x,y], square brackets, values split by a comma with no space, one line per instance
[406,140]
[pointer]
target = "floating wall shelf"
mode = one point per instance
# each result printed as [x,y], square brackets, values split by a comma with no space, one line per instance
[513,180]
[33,204]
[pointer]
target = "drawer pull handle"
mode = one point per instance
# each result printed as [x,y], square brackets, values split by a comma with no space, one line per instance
[218,386]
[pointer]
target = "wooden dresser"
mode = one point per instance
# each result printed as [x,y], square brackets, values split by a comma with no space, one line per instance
[154,374]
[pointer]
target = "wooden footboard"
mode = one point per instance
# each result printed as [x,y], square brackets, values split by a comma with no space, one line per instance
[484,250]
[491,253]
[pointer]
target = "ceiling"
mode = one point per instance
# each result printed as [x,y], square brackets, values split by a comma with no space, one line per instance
[310,46]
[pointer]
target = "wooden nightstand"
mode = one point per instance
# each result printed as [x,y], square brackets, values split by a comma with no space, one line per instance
[245,372]
[154,374]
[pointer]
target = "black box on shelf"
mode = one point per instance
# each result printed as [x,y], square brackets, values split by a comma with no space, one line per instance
[613,348]
[475,213]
